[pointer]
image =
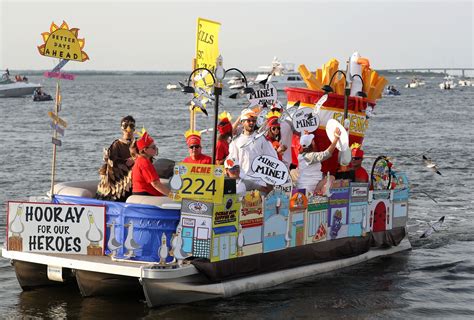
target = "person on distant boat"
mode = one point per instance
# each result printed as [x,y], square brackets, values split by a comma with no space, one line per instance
[25,79]
[145,179]
[7,71]
[246,147]
[225,135]
[360,175]
[193,140]
[309,161]
[115,174]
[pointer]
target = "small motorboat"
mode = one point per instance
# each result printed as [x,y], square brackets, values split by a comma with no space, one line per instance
[392,91]
[415,83]
[42,97]
[171,86]
[18,88]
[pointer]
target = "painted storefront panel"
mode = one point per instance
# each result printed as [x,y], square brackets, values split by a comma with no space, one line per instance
[276,230]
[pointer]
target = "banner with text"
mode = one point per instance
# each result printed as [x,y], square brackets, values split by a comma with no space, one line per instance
[55,228]
[207,47]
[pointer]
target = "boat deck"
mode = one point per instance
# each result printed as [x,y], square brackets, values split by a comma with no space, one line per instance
[103,264]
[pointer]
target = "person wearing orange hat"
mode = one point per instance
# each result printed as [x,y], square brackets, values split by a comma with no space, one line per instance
[247,146]
[360,174]
[225,135]
[145,179]
[115,174]
[193,140]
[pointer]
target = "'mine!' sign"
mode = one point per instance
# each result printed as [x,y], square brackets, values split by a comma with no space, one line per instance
[62,43]
[268,94]
[55,228]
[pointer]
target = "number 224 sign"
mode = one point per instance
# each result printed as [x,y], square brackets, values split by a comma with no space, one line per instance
[203,182]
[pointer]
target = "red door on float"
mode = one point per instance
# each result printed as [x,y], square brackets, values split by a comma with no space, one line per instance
[380,217]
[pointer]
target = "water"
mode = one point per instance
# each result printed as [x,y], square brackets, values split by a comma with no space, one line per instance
[435,279]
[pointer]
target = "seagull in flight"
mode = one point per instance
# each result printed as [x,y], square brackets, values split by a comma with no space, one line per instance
[430,164]
[433,228]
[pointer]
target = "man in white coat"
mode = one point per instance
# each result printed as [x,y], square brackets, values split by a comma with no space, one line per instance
[258,147]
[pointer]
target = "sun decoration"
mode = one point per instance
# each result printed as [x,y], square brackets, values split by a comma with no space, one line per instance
[62,42]
[355,145]
[189,133]
[225,115]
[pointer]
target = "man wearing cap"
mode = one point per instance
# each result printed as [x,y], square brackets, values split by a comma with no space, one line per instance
[309,162]
[193,140]
[115,174]
[225,134]
[245,148]
[360,175]
[145,179]
[232,170]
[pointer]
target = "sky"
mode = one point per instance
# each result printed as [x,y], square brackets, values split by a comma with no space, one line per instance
[160,35]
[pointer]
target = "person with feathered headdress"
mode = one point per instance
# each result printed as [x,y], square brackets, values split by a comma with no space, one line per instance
[274,134]
[360,174]
[193,140]
[115,182]
[145,179]
[225,135]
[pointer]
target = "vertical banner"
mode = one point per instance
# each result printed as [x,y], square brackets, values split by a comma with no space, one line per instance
[207,48]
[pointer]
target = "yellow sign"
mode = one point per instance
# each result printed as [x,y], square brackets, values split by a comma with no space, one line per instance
[207,47]
[202,182]
[62,43]
[56,118]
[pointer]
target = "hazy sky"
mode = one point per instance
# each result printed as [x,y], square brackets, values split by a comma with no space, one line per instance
[160,35]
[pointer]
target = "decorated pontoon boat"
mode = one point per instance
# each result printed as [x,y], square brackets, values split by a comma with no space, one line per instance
[205,240]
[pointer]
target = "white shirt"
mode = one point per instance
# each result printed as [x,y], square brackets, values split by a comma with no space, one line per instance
[246,155]
[309,167]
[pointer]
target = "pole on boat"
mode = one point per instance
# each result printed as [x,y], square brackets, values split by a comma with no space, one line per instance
[347,92]
[219,77]
[55,137]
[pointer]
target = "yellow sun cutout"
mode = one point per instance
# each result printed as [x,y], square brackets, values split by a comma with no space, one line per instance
[62,42]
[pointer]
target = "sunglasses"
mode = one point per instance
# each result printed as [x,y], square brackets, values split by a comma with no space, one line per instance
[129,125]
[356,158]
[275,128]
[234,168]
[194,147]
[152,147]
[250,120]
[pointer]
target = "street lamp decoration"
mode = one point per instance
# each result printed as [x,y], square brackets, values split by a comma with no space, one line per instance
[220,71]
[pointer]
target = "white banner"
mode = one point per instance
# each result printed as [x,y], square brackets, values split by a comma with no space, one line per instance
[304,120]
[267,94]
[56,228]
[270,169]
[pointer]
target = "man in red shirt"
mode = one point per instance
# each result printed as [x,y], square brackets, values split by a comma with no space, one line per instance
[193,140]
[356,164]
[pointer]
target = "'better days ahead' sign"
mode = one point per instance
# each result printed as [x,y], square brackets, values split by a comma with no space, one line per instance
[55,228]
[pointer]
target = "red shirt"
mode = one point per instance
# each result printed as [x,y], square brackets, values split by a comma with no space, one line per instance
[143,174]
[222,149]
[361,175]
[201,159]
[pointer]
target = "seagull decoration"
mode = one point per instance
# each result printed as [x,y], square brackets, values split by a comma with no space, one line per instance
[196,103]
[319,104]
[430,164]
[433,228]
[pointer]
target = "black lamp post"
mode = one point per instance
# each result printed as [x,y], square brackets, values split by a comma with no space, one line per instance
[347,90]
[217,79]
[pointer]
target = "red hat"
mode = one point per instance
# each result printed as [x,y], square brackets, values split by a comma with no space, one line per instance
[272,119]
[145,141]
[193,138]
[356,151]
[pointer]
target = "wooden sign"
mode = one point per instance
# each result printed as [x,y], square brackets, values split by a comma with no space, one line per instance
[56,118]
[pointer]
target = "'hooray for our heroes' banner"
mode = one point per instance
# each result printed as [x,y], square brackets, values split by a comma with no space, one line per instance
[55,228]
